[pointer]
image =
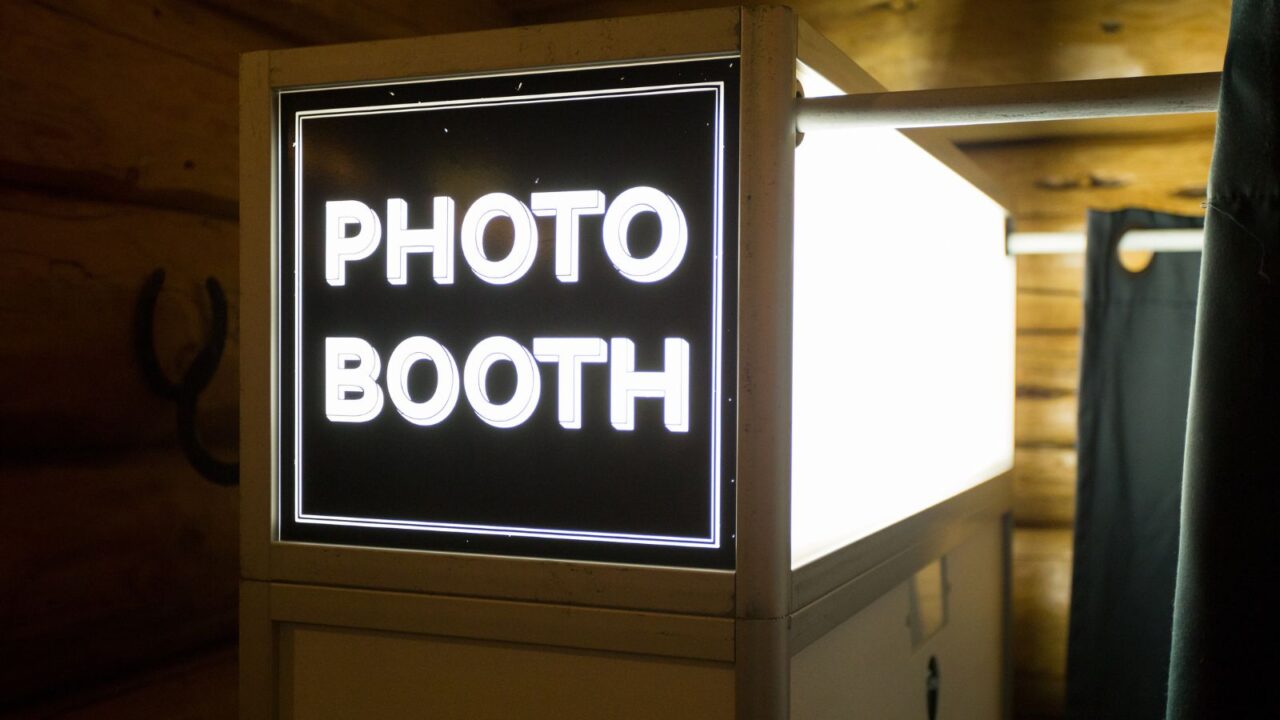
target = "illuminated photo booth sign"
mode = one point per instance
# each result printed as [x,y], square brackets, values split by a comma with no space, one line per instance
[506,314]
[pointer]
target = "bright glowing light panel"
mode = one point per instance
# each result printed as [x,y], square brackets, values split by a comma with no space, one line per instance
[904,331]
[507,312]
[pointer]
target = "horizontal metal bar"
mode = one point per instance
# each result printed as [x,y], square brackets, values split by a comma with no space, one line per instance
[1044,243]
[1072,100]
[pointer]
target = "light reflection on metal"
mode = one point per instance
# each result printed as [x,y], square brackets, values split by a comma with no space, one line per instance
[1034,102]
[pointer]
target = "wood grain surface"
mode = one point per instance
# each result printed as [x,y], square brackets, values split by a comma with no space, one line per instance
[1050,289]
[119,157]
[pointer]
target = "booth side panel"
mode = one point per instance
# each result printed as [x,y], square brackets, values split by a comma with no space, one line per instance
[257,652]
[906,650]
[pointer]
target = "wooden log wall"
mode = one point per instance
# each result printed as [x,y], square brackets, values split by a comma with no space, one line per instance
[1047,376]
[118,157]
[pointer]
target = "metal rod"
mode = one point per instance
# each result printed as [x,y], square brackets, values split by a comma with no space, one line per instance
[1042,243]
[1072,100]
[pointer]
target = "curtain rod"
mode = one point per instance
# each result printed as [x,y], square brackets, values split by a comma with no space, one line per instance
[1043,243]
[1034,102]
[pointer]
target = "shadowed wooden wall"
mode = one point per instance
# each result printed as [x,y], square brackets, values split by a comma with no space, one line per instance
[118,156]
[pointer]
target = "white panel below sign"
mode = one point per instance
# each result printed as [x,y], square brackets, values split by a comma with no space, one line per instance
[874,666]
[333,674]
[903,336]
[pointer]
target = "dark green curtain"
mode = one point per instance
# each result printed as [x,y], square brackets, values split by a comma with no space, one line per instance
[1225,660]
[1135,376]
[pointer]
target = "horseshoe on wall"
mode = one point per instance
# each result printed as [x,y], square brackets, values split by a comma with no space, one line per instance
[199,374]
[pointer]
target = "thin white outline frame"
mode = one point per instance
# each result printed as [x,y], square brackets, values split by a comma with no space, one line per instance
[717,87]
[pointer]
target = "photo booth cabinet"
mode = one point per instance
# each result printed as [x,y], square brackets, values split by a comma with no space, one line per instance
[577,384]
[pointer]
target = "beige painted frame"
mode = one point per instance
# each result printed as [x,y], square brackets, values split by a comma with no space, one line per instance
[696,592]
[617,608]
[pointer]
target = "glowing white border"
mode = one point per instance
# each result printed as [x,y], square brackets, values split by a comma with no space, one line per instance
[716,310]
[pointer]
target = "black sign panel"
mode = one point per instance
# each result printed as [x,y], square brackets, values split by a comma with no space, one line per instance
[507,312]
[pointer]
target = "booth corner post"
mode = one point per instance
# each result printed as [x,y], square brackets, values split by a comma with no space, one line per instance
[769,42]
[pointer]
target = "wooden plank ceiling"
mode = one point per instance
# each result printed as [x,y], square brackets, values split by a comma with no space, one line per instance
[1053,171]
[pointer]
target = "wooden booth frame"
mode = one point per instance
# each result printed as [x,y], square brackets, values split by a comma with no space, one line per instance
[753,618]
